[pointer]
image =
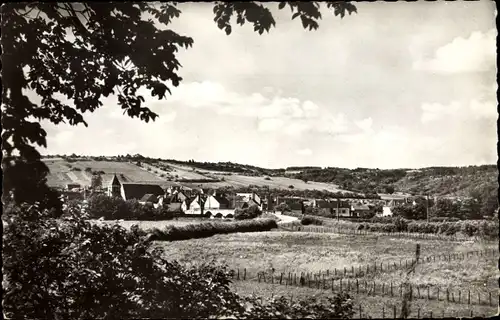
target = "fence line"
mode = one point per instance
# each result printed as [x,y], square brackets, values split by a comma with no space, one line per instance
[420,235]
[363,270]
[345,280]
[393,311]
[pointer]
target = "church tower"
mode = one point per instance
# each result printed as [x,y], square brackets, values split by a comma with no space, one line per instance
[114,188]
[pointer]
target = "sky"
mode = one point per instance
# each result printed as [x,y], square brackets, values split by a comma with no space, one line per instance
[397,85]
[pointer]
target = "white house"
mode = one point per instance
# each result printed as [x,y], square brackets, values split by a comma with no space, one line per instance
[193,206]
[210,205]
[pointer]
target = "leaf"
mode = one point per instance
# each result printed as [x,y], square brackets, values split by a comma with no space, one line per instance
[281,5]
[295,15]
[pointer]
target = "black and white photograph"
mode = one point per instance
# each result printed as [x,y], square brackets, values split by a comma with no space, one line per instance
[249,160]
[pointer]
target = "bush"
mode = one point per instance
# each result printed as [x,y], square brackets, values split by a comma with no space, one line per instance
[88,169]
[248,213]
[311,220]
[208,229]
[68,269]
[75,169]
[100,205]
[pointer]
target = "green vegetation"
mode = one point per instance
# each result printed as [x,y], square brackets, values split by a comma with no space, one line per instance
[247,213]
[100,205]
[208,229]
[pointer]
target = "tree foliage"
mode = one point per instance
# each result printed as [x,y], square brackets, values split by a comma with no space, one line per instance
[70,269]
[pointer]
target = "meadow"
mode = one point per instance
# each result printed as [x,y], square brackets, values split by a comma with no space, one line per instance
[314,253]
[63,172]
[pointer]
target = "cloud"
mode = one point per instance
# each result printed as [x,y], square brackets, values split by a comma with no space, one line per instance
[477,53]
[304,152]
[365,124]
[459,111]
[289,115]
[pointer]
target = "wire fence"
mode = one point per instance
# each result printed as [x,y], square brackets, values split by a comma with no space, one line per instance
[416,312]
[348,279]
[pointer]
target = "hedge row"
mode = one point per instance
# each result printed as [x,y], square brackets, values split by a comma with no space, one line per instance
[208,229]
[108,208]
[476,228]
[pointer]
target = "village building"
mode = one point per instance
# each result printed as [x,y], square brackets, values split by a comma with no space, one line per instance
[245,200]
[144,193]
[335,207]
[359,209]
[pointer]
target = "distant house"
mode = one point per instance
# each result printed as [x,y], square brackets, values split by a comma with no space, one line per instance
[193,206]
[248,199]
[72,186]
[360,210]
[149,198]
[333,207]
[144,193]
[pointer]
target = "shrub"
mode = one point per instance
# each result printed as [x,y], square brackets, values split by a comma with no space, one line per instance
[88,169]
[311,220]
[248,213]
[208,229]
[75,169]
[67,269]
[100,205]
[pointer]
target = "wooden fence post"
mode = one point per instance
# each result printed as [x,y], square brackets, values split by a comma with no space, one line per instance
[490,298]
[383,313]
[340,284]
[281,277]
[332,284]
[418,313]
[391,289]
[468,297]
[357,286]
[394,311]
[459,295]
[438,292]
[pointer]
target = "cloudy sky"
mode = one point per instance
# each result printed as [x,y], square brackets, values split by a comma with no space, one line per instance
[396,85]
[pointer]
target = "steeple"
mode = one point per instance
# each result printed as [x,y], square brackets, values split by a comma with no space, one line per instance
[115,186]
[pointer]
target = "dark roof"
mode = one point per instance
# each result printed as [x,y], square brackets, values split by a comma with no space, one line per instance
[137,191]
[149,198]
[324,204]
[115,181]
[360,207]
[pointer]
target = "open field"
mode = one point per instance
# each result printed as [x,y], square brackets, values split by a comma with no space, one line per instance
[238,180]
[373,306]
[289,252]
[61,173]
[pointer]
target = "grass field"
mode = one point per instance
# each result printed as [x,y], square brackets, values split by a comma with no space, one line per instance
[313,253]
[238,180]
[61,173]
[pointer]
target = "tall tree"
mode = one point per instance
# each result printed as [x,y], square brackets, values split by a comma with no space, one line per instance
[71,55]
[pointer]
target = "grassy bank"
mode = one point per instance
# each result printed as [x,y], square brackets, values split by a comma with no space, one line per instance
[208,229]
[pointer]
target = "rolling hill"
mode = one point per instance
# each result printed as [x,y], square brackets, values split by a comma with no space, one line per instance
[438,181]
